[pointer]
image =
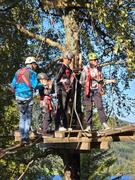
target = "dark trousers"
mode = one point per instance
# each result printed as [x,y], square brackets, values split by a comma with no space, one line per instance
[61,117]
[95,98]
[47,120]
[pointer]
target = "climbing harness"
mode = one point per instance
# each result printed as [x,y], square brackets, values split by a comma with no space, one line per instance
[21,77]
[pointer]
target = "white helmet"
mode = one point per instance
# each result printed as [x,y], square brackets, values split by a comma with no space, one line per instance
[30,60]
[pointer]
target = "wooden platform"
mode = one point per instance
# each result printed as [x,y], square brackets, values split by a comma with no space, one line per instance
[85,141]
[82,140]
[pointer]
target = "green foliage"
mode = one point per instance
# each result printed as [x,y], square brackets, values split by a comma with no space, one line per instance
[125,155]
[9,122]
[97,164]
[49,166]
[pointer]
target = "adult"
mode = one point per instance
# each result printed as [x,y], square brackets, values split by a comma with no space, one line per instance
[64,82]
[92,82]
[24,83]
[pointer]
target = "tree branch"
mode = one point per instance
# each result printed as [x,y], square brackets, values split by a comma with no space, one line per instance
[35,36]
[14,149]
[39,37]
[58,4]
[25,170]
[111,63]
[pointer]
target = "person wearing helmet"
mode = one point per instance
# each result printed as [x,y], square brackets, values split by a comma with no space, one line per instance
[92,82]
[45,102]
[23,84]
[64,84]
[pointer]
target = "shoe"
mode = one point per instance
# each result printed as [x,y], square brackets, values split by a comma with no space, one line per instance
[24,141]
[62,129]
[69,129]
[88,128]
[39,131]
[106,127]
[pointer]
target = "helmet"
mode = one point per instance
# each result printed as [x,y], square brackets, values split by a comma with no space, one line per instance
[68,54]
[30,60]
[92,56]
[42,76]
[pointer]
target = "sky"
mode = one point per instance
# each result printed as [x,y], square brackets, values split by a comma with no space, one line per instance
[131,93]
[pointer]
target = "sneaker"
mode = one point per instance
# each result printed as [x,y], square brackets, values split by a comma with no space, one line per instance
[106,126]
[69,129]
[39,131]
[88,128]
[25,141]
[62,129]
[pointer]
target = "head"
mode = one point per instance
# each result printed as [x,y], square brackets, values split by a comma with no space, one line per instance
[43,78]
[93,59]
[67,57]
[31,61]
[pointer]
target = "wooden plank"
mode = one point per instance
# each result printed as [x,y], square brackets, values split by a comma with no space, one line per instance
[71,146]
[85,146]
[121,130]
[104,145]
[17,136]
[127,138]
[32,136]
[66,140]
[59,134]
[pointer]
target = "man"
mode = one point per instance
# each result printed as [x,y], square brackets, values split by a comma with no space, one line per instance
[45,102]
[23,83]
[92,82]
[64,82]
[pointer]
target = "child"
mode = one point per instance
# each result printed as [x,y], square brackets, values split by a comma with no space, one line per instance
[45,102]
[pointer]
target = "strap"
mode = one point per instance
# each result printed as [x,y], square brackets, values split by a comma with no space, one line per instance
[22,76]
[89,75]
[87,86]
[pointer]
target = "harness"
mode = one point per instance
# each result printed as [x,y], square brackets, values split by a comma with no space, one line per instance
[88,81]
[46,98]
[87,84]
[21,76]
[67,80]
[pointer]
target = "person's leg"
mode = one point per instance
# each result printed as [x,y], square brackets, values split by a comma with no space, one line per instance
[29,106]
[22,109]
[59,110]
[88,106]
[64,109]
[46,121]
[99,104]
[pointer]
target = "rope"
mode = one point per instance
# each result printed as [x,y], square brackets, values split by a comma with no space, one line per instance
[41,42]
[74,107]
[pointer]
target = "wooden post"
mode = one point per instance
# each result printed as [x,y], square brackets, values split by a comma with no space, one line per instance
[17,136]
[71,161]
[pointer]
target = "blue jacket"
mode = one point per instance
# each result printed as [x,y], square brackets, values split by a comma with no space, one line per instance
[22,90]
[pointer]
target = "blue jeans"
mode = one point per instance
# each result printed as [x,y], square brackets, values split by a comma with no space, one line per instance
[25,108]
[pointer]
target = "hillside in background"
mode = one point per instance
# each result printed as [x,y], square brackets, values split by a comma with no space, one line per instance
[125,158]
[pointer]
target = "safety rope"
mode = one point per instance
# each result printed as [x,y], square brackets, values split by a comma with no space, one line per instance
[74,107]
[37,55]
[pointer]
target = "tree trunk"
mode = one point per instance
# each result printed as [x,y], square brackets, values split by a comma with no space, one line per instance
[71,161]
[72,34]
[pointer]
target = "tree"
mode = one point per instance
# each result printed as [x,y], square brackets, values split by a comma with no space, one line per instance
[46,28]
